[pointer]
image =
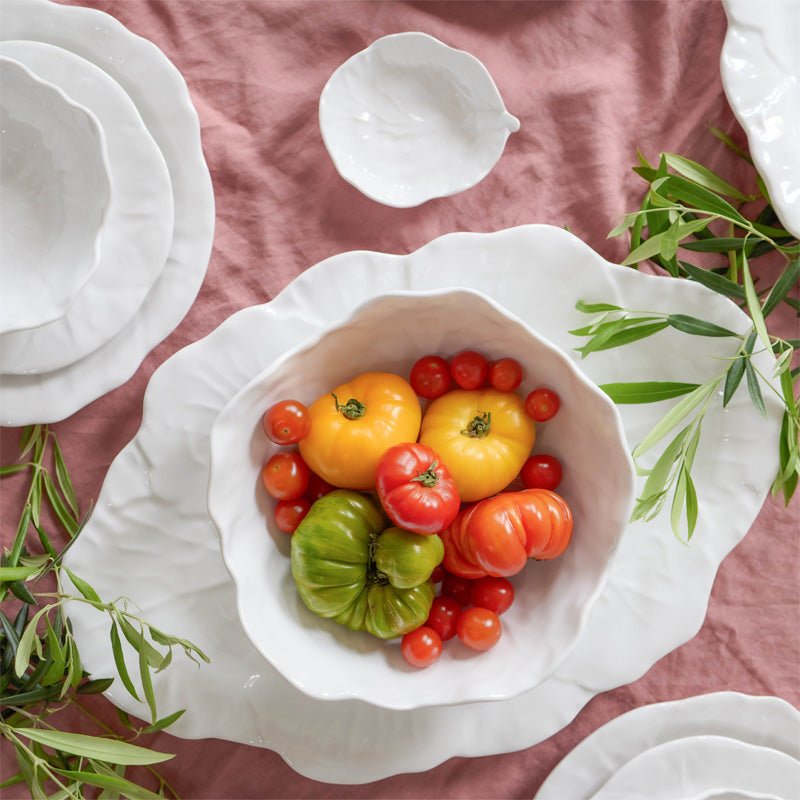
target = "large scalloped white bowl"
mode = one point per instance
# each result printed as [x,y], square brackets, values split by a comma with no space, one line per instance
[553,599]
[410,118]
[55,189]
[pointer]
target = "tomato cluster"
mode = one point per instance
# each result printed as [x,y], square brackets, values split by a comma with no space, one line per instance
[422,493]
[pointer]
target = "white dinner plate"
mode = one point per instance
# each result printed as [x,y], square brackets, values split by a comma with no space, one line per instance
[762,721]
[150,536]
[760,67]
[137,233]
[162,99]
[685,768]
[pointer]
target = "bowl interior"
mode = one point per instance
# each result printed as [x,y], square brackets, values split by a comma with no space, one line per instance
[54,192]
[553,599]
[411,118]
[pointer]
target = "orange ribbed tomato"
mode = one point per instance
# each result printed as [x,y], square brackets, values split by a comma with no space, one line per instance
[483,436]
[355,424]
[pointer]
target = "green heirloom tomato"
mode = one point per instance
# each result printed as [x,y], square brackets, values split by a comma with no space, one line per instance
[336,552]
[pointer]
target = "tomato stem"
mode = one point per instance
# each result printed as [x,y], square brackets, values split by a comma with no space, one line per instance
[373,576]
[480,426]
[429,478]
[352,409]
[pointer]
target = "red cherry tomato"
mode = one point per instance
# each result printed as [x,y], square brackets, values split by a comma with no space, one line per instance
[443,616]
[317,488]
[541,472]
[469,369]
[287,422]
[505,375]
[286,476]
[416,489]
[479,628]
[421,647]
[289,513]
[430,377]
[460,589]
[496,594]
[542,404]
[437,574]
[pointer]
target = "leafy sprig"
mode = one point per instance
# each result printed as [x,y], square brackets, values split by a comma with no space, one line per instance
[42,672]
[683,201]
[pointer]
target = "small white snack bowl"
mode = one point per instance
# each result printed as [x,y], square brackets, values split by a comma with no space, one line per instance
[55,189]
[553,599]
[410,118]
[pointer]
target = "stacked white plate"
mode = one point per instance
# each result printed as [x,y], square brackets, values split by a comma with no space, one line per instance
[724,745]
[154,241]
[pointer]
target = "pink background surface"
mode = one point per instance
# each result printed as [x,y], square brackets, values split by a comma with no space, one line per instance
[590,82]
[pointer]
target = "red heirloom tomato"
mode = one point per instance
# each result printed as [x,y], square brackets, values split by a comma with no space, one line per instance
[421,647]
[479,628]
[469,369]
[416,489]
[286,476]
[287,422]
[496,594]
[290,513]
[453,540]
[542,404]
[541,472]
[443,616]
[430,377]
[505,375]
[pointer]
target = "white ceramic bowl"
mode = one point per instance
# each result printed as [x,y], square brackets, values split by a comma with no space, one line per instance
[410,118]
[54,193]
[553,599]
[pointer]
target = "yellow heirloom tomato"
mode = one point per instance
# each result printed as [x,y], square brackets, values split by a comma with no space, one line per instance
[355,424]
[482,436]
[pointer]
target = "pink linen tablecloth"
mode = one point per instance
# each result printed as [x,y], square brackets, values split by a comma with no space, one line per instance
[590,82]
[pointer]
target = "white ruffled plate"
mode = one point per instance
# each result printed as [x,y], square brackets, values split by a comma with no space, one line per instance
[150,536]
[760,66]
[138,230]
[692,767]
[162,99]
[410,118]
[766,722]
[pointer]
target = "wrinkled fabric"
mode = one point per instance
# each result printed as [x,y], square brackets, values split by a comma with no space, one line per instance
[590,82]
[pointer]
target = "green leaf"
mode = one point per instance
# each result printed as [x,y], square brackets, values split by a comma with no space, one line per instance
[119,661]
[714,245]
[704,176]
[646,391]
[674,416]
[87,591]
[660,473]
[678,498]
[10,469]
[26,643]
[787,280]
[754,389]
[712,280]
[164,722]
[691,506]
[138,642]
[64,481]
[97,686]
[653,245]
[112,751]
[784,361]
[125,787]
[16,573]
[30,436]
[57,504]
[600,326]
[147,683]
[726,139]
[594,308]
[733,378]
[677,188]
[19,537]
[697,327]
[12,781]
[20,591]
[669,241]
[753,305]
[631,334]
[36,497]
[626,223]
[56,652]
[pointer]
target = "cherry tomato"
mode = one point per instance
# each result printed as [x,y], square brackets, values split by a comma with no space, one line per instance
[469,369]
[317,488]
[289,513]
[430,377]
[416,490]
[286,476]
[542,404]
[287,422]
[437,574]
[421,647]
[496,594]
[505,375]
[479,628]
[443,616]
[541,472]
[460,589]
